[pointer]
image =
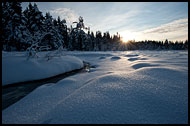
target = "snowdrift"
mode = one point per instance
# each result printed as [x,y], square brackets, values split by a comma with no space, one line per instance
[150,89]
[15,67]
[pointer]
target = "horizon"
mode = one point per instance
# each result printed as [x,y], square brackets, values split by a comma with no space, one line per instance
[166,20]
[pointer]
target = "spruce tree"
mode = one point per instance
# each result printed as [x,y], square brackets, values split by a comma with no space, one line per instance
[16,36]
[52,36]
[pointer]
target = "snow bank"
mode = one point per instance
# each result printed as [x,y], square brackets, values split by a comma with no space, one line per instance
[155,92]
[15,67]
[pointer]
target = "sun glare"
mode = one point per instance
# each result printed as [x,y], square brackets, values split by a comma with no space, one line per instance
[127,36]
[125,39]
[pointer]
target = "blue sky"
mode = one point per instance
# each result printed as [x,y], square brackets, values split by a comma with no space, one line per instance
[132,20]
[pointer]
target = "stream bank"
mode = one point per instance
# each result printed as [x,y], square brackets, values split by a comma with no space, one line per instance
[13,92]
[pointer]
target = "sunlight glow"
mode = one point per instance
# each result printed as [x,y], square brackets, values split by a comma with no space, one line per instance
[125,39]
[126,36]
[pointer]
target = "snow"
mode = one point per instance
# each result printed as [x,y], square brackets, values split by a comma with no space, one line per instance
[16,67]
[152,88]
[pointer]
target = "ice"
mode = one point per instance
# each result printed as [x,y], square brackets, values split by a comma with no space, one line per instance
[149,91]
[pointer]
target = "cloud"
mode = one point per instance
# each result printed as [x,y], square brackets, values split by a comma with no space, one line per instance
[175,30]
[65,13]
[174,26]
[113,21]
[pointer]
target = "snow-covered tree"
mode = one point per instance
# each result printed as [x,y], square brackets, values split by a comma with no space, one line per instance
[51,36]
[78,38]
[98,41]
[92,39]
[186,44]
[16,35]
[34,18]
[5,26]
[30,30]
[34,22]
[62,29]
[166,44]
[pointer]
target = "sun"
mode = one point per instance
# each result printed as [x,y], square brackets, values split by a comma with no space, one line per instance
[125,39]
[127,36]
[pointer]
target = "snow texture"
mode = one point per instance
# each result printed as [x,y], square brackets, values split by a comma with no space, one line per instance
[149,91]
[16,67]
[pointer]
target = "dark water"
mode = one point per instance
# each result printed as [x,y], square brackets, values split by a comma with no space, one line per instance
[14,92]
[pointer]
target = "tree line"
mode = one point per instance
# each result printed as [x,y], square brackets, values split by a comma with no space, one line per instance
[29,29]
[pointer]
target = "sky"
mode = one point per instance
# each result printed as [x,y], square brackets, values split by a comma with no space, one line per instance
[132,20]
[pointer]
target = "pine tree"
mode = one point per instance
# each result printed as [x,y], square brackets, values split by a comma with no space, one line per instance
[34,23]
[78,38]
[51,36]
[186,44]
[62,29]
[16,36]
[5,26]
[98,41]
[92,38]
[166,44]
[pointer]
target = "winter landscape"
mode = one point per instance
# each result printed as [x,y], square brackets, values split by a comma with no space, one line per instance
[53,73]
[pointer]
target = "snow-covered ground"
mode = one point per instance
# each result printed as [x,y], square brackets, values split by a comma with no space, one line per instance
[124,87]
[16,67]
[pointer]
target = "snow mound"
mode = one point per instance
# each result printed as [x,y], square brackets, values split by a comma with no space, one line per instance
[141,65]
[16,68]
[91,54]
[118,92]
[134,59]
[146,96]
[102,57]
[115,58]
[131,55]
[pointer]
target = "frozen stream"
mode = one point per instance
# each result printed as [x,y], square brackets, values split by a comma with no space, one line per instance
[14,92]
[132,87]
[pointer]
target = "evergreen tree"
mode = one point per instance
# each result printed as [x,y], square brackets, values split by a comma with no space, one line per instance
[186,44]
[34,23]
[166,44]
[17,36]
[98,41]
[6,26]
[30,29]
[92,38]
[62,29]
[51,36]
[78,38]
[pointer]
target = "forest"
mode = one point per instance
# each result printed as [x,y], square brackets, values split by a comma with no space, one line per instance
[57,70]
[29,30]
